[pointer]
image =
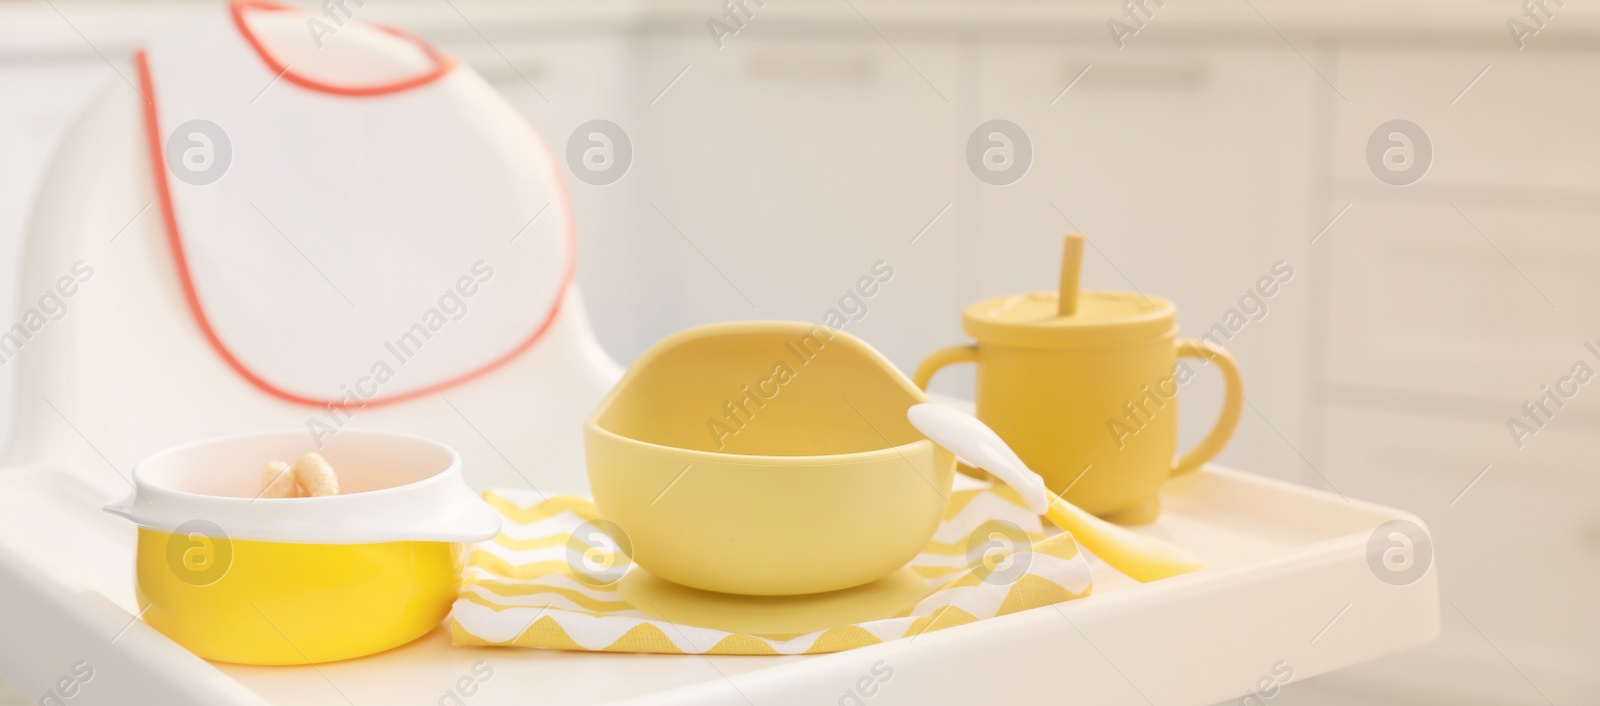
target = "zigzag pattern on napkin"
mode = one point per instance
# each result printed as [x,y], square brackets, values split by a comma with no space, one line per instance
[518,589]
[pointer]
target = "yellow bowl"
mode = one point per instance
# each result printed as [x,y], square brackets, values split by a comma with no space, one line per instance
[766,458]
[288,603]
[253,580]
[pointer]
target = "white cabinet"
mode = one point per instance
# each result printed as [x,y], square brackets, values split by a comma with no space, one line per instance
[1528,123]
[783,168]
[1449,301]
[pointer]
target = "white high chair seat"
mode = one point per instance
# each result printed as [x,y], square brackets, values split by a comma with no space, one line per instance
[126,372]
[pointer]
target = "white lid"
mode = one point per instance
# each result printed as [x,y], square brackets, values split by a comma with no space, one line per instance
[394,487]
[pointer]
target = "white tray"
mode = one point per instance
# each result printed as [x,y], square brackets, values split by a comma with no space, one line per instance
[1290,587]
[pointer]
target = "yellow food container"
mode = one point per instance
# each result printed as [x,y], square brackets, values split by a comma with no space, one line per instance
[1084,387]
[766,458]
[238,578]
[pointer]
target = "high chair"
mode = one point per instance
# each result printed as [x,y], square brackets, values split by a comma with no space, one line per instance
[119,370]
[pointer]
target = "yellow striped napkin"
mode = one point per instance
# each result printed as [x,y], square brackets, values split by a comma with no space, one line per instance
[519,589]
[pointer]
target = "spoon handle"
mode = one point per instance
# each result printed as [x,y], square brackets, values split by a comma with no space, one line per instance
[1144,559]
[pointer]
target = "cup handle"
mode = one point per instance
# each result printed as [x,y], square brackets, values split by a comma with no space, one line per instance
[1232,404]
[940,358]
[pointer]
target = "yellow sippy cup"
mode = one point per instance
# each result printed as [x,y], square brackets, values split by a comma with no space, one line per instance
[1084,386]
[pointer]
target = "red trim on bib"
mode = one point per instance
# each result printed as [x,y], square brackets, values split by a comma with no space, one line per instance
[192,299]
[441,64]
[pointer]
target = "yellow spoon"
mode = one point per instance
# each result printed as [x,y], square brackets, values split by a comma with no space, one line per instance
[1142,558]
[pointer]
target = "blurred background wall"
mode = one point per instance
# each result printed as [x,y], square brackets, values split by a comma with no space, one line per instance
[773,166]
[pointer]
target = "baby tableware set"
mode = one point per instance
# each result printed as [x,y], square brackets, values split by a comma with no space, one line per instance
[762,478]
[780,487]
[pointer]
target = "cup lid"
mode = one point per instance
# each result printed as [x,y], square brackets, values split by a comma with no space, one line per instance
[1100,317]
